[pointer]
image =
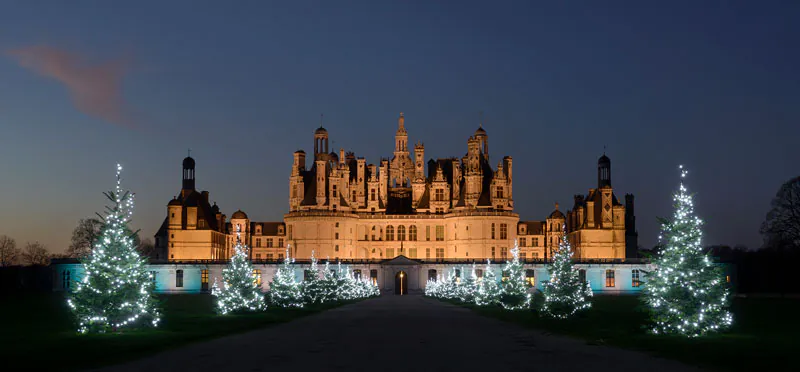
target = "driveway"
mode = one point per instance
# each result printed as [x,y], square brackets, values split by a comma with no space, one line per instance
[398,333]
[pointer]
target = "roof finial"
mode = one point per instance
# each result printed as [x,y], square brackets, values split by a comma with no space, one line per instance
[190,152]
[604,149]
[556,205]
[320,120]
[480,115]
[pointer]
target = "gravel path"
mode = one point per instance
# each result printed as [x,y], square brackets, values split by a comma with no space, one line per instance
[398,333]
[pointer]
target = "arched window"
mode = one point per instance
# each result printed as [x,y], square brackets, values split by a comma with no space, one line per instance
[389,233]
[401,233]
[412,233]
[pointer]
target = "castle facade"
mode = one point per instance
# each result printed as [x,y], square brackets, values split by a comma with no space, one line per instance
[445,209]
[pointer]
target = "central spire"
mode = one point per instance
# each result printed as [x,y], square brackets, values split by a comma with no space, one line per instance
[401,127]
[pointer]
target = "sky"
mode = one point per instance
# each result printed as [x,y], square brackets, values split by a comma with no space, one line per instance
[712,85]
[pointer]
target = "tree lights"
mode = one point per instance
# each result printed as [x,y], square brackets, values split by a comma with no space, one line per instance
[284,291]
[116,290]
[514,289]
[685,291]
[565,293]
[239,291]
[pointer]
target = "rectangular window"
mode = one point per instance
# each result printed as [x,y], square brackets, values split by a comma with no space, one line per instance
[373,276]
[280,243]
[492,252]
[280,256]
[492,231]
[412,253]
[503,231]
[257,277]
[153,278]
[499,192]
[389,252]
[439,233]
[258,242]
[635,278]
[522,256]
[535,255]
[66,279]
[440,253]
[357,273]
[479,273]
[522,242]
[372,195]
[336,248]
[428,233]
[269,242]
[504,253]
[427,253]
[535,242]
[334,191]
[289,232]
[179,278]
[582,275]
[530,277]
[432,274]
[204,276]
[336,236]
[439,195]
[258,256]
[610,280]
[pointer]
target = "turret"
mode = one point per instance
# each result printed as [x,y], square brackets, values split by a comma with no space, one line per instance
[321,144]
[188,175]
[321,181]
[603,172]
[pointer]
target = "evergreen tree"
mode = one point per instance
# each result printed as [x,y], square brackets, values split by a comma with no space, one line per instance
[312,288]
[469,285]
[685,291]
[488,292]
[239,291]
[116,290]
[565,293]
[330,284]
[514,291]
[346,284]
[284,291]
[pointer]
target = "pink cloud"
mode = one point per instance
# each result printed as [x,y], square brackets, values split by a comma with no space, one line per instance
[95,89]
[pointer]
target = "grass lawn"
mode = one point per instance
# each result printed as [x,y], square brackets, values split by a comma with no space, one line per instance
[38,331]
[765,332]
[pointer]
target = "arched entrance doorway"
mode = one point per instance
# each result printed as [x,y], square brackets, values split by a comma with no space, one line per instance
[401,283]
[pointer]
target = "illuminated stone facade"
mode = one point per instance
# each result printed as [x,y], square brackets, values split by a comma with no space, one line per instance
[342,207]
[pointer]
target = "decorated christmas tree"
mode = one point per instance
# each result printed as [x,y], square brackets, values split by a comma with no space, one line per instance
[686,292]
[284,291]
[239,291]
[514,290]
[488,292]
[565,293]
[116,290]
[468,285]
[345,283]
[313,289]
[330,284]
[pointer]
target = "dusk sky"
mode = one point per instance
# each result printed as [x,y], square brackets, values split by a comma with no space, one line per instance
[713,85]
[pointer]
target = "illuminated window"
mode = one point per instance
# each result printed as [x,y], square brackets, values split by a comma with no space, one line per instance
[427,253]
[727,278]
[610,280]
[179,278]
[389,233]
[504,275]
[439,233]
[204,276]
[428,233]
[440,253]
[503,231]
[257,277]
[530,277]
[635,278]
[373,276]
[412,233]
[401,233]
[492,231]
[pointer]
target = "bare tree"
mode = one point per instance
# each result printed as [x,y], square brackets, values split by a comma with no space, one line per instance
[146,247]
[84,236]
[35,254]
[9,253]
[782,226]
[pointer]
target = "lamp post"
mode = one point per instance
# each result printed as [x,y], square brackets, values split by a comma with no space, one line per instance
[401,283]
